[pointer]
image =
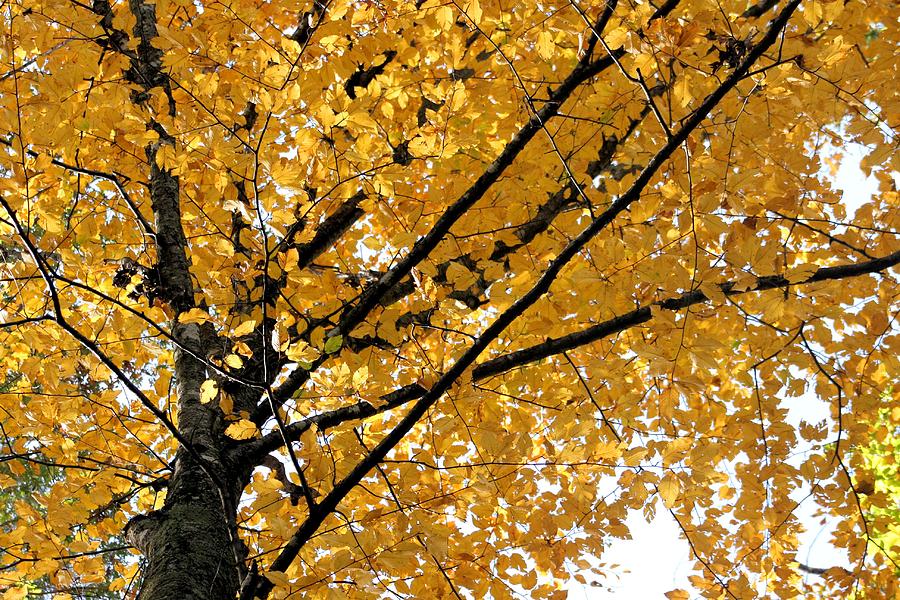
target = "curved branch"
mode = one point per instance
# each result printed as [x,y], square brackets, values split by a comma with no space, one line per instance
[114,178]
[89,345]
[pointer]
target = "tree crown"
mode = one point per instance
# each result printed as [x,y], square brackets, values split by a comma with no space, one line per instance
[391,296]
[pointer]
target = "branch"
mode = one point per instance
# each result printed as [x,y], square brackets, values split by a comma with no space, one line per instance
[25,321]
[330,230]
[814,570]
[89,345]
[643,314]
[373,294]
[112,177]
[251,453]
[254,451]
[371,297]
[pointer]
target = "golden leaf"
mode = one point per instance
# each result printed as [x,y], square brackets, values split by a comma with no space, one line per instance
[234,361]
[669,489]
[194,315]
[208,391]
[242,430]
[244,328]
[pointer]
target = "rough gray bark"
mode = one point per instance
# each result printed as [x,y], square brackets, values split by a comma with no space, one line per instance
[191,545]
[186,544]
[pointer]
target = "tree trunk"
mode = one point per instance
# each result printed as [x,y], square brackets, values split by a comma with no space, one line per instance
[191,545]
[187,544]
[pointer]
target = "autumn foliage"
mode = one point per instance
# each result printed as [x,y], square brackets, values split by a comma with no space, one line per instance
[420,299]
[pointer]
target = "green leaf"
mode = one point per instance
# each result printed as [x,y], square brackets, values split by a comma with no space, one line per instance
[333,344]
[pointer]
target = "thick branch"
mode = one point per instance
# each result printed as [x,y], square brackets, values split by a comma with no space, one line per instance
[309,22]
[503,363]
[423,247]
[253,452]
[331,230]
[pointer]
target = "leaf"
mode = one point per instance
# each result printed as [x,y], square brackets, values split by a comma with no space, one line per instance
[279,578]
[444,17]
[616,38]
[360,377]
[226,404]
[669,489]
[208,391]
[234,361]
[242,430]
[363,120]
[683,91]
[333,344]
[301,352]
[194,315]
[474,11]
[244,328]
[801,273]
[677,595]
[545,45]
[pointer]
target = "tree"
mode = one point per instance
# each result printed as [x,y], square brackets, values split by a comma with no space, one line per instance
[420,299]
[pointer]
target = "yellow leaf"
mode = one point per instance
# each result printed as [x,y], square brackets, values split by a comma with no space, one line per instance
[545,45]
[242,430]
[712,291]
[301,352]
[244,328]
[473,9]
[165,156]
[801,273]
[226,404]
[683,90]
[242,349]
[669,489]
[363,119]
[195,315]
[208,391]
[633,456]
[360,377]
[616,38]
[812,13]
[224,248]
[444,17]
[279,578]
[677,595]
[234,361]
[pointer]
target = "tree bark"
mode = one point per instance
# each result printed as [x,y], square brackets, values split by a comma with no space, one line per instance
[191,545]
[187,544]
